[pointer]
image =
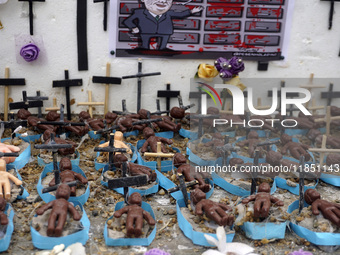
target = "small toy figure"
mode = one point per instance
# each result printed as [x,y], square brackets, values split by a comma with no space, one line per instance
[262,201]
[46,136]
[4,180]
[330,211]
[134,169]
[177,112]
[67,175]
[6,148]
[166,124]
[316,136]
[60,208]
[151,140]
[135,215]
[125,123]
[252,141]
[189,172]
[333,159]
[335,111]
[3,216]
[23,114]
[118,143]
[213,210]
[97,124]
[33,121]
[216,141]
[296,149]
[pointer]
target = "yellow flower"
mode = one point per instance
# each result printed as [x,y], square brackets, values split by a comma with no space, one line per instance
[207,72]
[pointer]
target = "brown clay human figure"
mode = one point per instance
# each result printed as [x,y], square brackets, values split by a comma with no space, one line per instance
[329,210]
[177,112]
[64,152]
[67,175]
[6,148]
[262,201]
[23,114]
[60,207]
[3,216]
[213,210]
[125,123]
[335,111]
[302,122]
[296,149]
[189,172]
[33,121]
[252,142]
[275,158]
[151,140]
[134,169]
[118,143]
[216,141]
[135,215]
[316,136]
[333,159]
[166,124]
[5,178]
[97,124]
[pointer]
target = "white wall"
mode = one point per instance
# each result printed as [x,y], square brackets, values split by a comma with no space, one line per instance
[312,48]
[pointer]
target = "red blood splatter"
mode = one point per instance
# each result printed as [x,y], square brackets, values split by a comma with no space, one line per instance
[200,49]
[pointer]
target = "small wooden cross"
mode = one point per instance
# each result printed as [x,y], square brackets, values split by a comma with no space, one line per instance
[330,94]
[139,77]
[310,86]
[159,112]
[226,149]
[168,94]
[323,150]
[55,107]
[90,104]
[9,82]
[124,109]
[13,124]
[30,3]
[159,155]
[40,98]
[183,187]
[25,104]
[328,119]
[107,80]
[67,83]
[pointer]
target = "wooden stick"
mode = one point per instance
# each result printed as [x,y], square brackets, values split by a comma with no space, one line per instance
[107,86]
[90,101]
[6,95]
[328,121]
[55,106]
[323,146]
[325,150]
[159,154]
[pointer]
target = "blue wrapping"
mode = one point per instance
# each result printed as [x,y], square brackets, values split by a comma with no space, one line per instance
[23,158]
[75,162]
[131,241]
[282,184]
[6,240]
[331,179]
[261,230]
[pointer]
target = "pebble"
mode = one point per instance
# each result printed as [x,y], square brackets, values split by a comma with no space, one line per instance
[161,192]
[95,213]
[171,212]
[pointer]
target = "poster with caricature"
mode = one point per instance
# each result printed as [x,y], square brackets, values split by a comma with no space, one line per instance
[204,29]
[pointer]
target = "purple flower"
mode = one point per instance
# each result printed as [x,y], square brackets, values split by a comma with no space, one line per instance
[30,52]
[222,64]
[156,251]
[300,252]
[237,65]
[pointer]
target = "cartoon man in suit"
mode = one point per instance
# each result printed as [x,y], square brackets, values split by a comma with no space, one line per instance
[156,21]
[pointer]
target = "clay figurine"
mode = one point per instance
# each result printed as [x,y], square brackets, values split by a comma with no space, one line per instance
[252,142]
[125,123]
[33,121]
[118,143]
[213,210]
[262,201]
[3,216]
[296,149]
[151,140]
[135,215]
[316,136]
[134,169]
[333,159]
[46,136]
[23,114]
[166,124]
[6,148]
[97,124]
[330,211]
[335,111]
[67,175]
[60,208]
[4,180]
[189,172]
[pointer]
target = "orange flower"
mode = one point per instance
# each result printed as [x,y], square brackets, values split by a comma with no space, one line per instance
[207,72]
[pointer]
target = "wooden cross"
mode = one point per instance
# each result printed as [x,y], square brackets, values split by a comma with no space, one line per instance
[107,80]
[9,154]
[159,112]
[168,94]
[200,118]
[226,149]
[105,12]
[124,109]
[67,83]
[139,77]
[315,107]
[30,3]
[40,98]
[330,94]
[301,183]
[127,181]
[181,105]
[159,155]
[90,104]
[183,187]
[9,82]
[197,95]
[13,124]
[328,118]
[323,150]
[82,35]
[25,104]
[111,150]
[55,107]
[310,86]
[54,147]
